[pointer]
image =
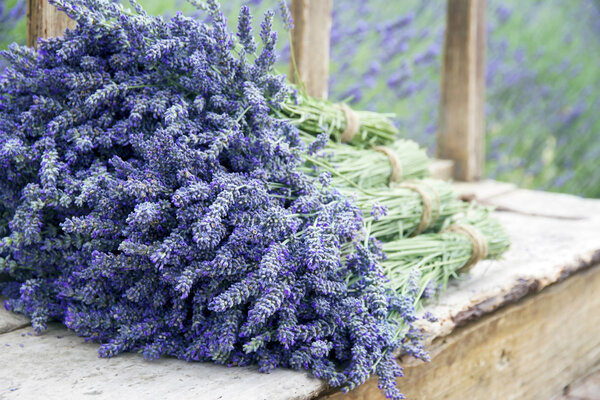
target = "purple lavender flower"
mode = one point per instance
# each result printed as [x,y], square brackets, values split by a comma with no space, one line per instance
[150,201]
[378,211]
[288,22]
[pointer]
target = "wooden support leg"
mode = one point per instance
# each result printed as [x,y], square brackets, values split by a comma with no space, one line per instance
[44,21]
[310,40]
[462,113]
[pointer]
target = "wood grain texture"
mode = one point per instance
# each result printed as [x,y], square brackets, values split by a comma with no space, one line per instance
[587,388]
[462,115]
[60,365]
[532,350]
[44,21]
[310,42]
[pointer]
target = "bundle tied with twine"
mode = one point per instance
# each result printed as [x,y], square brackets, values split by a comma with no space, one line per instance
[429,260]
[479,246]
[340,121]
[407,209]
[418,268]
[428,234]
[352,126]
[367,168]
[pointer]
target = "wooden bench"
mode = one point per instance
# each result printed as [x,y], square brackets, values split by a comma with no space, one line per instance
[523,327]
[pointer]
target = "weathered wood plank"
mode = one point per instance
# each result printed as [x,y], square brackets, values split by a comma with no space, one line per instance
[10,321]
[545,204]
[508,198]
[531,350]
[44,21]
[462,114]
[310,42]
[587,388]
[483,190]
[545,251]
[60,365]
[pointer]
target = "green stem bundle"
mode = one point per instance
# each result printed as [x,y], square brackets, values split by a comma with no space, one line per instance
[368,168]
[419,267]
[398,203]
[315,116]
[410,208]
[428,261]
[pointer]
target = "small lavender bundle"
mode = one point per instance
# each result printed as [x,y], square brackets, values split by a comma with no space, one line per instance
[432,259]
[367,168]
[394,207]
[407,209]
[420,267]
[340,122]
[150,201]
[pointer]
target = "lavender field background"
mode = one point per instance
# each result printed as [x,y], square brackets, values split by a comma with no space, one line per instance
[543,77]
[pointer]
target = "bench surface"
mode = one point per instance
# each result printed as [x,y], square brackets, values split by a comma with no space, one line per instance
[554,236]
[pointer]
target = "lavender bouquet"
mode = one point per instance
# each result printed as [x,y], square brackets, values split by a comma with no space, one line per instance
[151,202]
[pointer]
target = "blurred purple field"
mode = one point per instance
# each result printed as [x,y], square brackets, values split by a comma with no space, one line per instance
[542,84]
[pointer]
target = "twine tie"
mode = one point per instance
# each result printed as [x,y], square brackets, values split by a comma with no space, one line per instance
[396,175]
[431,206]
[480,247]
[352,123]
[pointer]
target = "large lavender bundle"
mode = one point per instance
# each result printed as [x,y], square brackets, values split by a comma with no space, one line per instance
[151,202]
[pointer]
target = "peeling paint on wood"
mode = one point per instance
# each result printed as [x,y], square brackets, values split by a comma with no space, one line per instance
[523,288]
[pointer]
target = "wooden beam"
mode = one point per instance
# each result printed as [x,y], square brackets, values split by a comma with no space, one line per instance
[44,21]
[310,42]
[462,114]
[529,351]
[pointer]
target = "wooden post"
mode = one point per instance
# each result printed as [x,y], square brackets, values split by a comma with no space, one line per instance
[44,20]
[310,41]
[462,119]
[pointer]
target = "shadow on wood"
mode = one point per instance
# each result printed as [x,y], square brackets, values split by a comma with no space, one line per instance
[531,350]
